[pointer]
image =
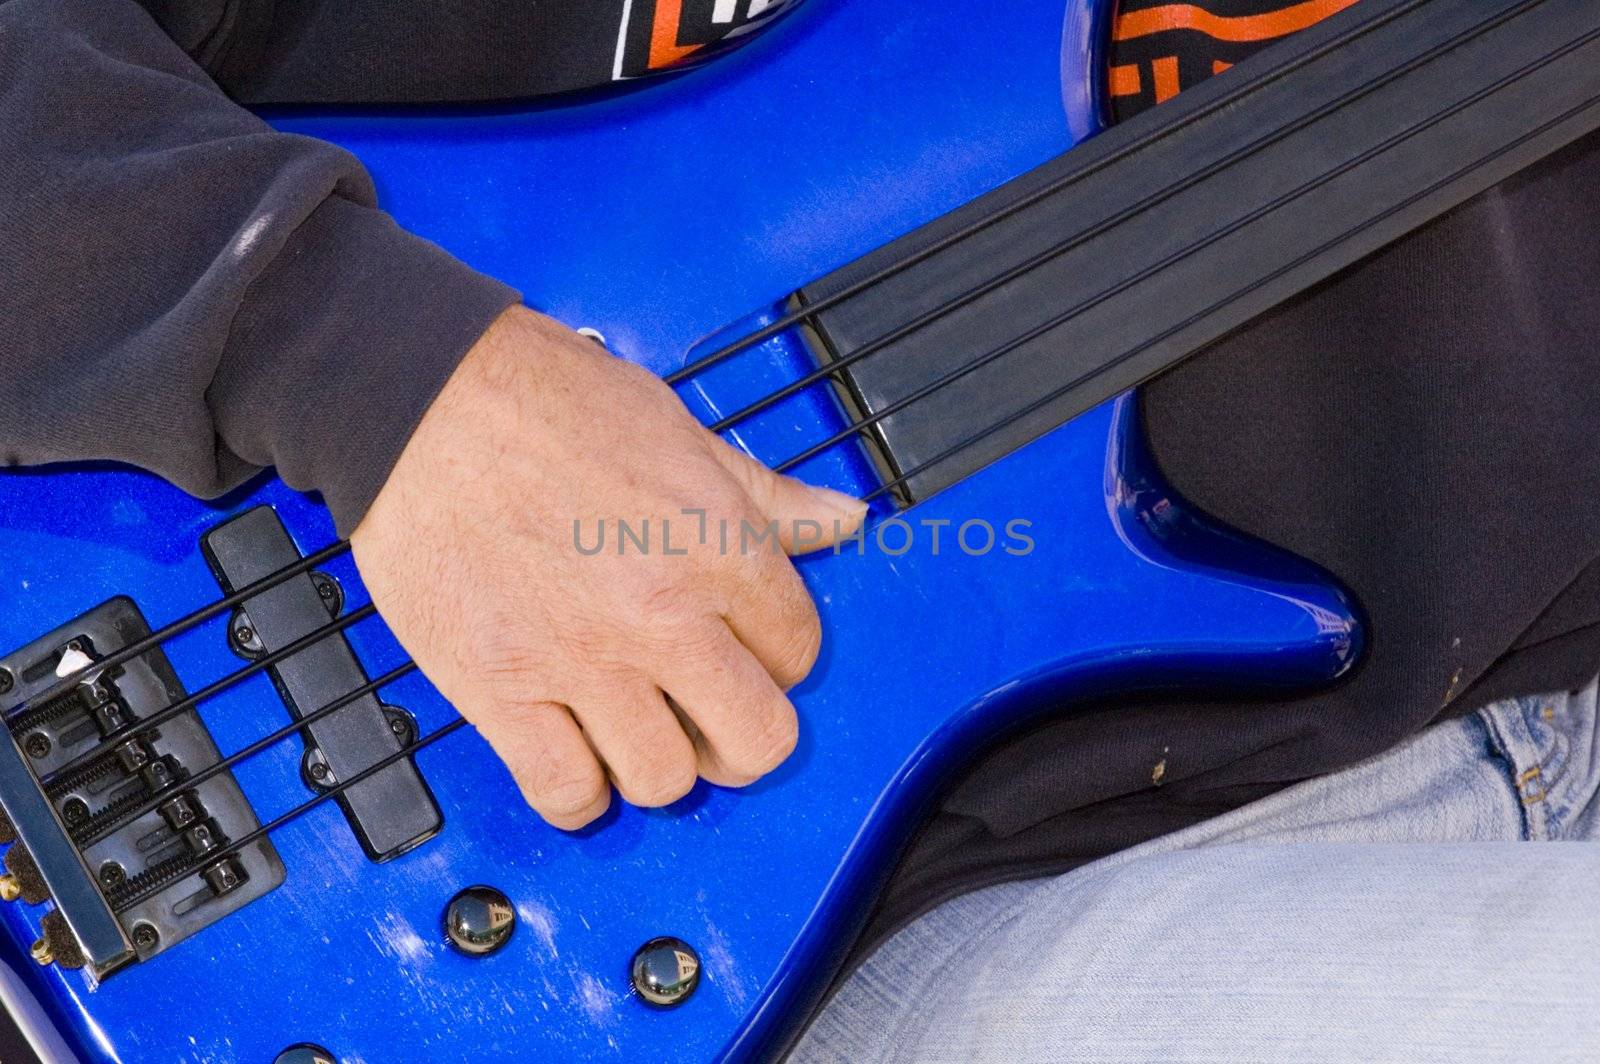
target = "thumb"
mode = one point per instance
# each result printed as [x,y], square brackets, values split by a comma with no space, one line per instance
[808,517]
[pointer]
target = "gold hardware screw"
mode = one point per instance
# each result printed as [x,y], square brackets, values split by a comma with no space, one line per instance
[10,889]
[41,952]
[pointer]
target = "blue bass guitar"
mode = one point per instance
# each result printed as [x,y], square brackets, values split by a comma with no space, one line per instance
[245,826]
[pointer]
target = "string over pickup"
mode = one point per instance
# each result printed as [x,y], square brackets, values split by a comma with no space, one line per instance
[392,811]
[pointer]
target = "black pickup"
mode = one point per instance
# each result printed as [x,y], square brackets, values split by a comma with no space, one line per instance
[393,810]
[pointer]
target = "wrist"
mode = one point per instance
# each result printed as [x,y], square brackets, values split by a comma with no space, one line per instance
[339,348]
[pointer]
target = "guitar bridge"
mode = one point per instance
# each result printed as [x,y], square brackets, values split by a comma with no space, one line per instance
[127,881]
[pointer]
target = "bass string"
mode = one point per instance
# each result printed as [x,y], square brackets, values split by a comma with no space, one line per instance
[245,752]
[1046,190]
[1176,256]
[293,813]
[1044,401]
[1062,247]
[183,624]
[212,689]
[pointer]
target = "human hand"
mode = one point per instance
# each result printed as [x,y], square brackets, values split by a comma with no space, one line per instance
[565,661]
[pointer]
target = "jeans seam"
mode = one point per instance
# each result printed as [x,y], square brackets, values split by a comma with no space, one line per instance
[1518,776]
[1559,799]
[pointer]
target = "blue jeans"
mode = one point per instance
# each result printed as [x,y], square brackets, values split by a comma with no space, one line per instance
[1394,911]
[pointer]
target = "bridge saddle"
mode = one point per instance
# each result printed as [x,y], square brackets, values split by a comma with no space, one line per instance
[125,882]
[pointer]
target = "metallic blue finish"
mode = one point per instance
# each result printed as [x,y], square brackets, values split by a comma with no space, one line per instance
[658,216]
[1085,44]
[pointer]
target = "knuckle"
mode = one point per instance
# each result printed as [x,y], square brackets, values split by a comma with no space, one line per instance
[779,740]
[722,495]
[664,782]
[745,567]
[705,646]
[582,818]
[495,649]
[669,611]
[769,737]
[562,786]
[587,643]
[800,647]
[568,794]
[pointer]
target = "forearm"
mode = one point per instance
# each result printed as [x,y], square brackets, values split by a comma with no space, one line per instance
[185,289]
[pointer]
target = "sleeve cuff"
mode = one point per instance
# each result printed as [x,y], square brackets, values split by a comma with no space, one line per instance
[339,348]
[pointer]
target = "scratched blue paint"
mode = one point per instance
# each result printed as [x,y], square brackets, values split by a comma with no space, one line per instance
[659,216]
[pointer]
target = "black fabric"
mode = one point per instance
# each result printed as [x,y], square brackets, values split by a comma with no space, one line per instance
[410,51]
[232,288]
[14,1048]
[1425,426]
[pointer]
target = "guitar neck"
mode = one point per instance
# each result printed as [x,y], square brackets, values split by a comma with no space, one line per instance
[984,329]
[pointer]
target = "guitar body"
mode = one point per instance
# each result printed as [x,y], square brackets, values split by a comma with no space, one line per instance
[659,217]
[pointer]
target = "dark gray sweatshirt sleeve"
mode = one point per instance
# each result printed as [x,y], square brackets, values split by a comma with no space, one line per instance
[187,290]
